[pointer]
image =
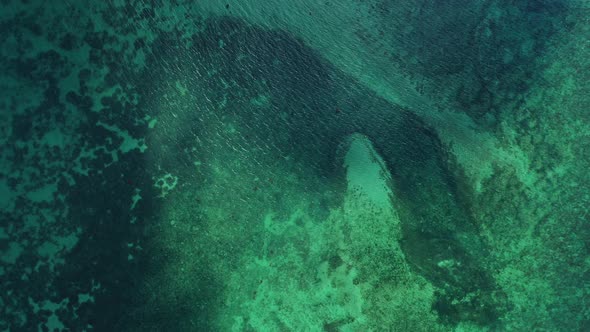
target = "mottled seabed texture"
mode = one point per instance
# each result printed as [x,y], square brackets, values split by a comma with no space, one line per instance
[352,165]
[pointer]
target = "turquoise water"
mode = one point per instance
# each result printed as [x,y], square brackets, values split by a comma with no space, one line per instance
[294,166]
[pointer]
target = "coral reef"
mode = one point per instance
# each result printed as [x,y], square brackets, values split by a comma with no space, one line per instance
[294,166]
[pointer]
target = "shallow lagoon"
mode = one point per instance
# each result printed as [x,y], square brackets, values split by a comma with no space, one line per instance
[294,166]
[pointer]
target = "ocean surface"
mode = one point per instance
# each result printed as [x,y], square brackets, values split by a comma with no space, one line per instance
[352,165]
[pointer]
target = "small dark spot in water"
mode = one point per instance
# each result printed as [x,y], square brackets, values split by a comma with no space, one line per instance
[68,42]
[335,261]
[227,6]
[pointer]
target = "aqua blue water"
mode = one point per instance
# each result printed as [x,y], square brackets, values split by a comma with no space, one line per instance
[294,166]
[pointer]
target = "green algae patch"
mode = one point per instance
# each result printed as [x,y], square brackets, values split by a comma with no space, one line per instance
[460,204]
[287,265]
[165,184]
[11,254]
[128,142]
[344,272]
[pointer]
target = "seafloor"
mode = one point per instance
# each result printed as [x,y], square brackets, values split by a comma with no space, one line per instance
[304,165]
